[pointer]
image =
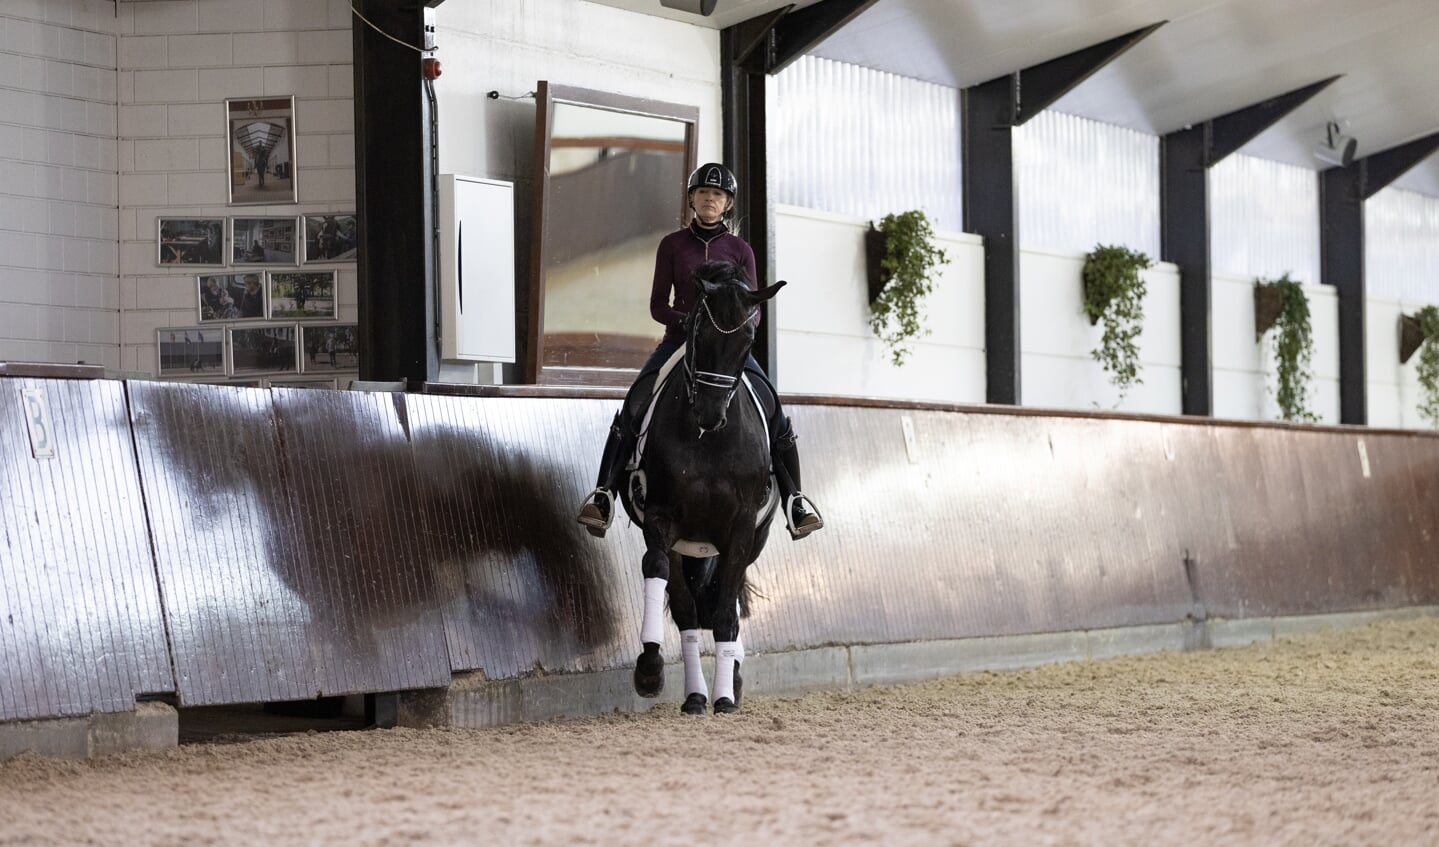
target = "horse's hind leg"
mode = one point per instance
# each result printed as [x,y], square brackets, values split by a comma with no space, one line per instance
[687,616]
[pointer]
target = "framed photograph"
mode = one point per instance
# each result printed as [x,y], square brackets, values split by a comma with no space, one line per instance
[262,150]
[190,351]
[302,294]
[263,350]
[190,241]
[263,241]
[303,383]
[335,347]
[231,297]
[331,237]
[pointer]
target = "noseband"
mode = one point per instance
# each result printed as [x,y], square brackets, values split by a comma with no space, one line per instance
[696,379]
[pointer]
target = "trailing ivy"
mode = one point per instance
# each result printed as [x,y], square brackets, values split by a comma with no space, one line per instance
[1293,351]
[1114,293]
[906,271]
[1428,367]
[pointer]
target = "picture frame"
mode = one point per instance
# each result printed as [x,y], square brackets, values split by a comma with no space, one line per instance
[194,242]
[263,241]
[231,297]
[265,349]
[331,237]
[327,348]
[192,351]
[261,133]
[303,295]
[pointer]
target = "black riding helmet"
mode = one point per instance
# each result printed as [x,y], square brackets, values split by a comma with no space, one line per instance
[713,175]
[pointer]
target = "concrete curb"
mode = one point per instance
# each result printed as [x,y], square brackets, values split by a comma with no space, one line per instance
[151,726]
[474,702]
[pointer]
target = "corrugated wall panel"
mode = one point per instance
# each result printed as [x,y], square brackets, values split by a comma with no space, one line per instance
[1264,219]
[857,141]
[81,627]
[1082,183]
[1401,246]
[524,586]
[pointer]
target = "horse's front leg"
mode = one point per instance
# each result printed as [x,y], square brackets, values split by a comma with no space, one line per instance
[650,666]
[729,651]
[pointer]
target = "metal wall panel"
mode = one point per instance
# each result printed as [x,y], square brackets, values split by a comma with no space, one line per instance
[286,544]
[1083,183]
[1264,218]
[524,586]
[81,628]
[856,141]
[1401,246]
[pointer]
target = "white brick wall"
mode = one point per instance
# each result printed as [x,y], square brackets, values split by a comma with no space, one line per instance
[178,60]
[59,290]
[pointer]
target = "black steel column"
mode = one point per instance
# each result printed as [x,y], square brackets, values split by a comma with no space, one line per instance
[987,127]
[1342,192]
[393,191]
[1184,240]
[1341,264]
[746,152]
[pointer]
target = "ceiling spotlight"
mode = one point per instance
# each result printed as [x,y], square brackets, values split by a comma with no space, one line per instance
[694,7]
[1336,148]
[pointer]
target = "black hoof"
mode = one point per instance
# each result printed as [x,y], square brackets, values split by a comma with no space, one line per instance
[725,706]
[695,704]
[650,672]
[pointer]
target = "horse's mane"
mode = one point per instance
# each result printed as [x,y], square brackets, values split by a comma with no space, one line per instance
[720,272]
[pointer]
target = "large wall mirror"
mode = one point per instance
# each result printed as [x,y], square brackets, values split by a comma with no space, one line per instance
[610,177]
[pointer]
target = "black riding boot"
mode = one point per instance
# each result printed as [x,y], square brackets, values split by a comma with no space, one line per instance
[599,509]
[803,518]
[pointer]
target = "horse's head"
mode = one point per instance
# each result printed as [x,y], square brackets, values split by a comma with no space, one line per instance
[720,330]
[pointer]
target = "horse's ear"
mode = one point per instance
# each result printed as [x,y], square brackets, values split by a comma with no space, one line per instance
[706,287]
[768,291]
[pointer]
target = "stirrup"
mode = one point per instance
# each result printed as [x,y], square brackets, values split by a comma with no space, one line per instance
[796,532]
[597,525]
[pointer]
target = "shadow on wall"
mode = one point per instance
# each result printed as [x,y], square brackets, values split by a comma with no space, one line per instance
[523,586]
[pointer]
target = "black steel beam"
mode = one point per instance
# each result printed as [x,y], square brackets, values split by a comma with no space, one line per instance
[1341,264]
[392,196]
[742,102]
[1384,167]
[800,30]
[1185,157]
[987,148]
[1184,240]
[1237,128]
[1041,85]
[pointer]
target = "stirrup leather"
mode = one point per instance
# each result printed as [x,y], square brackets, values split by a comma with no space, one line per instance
[609,516]
[789,504]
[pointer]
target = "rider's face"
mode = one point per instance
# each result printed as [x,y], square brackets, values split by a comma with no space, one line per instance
[709,204]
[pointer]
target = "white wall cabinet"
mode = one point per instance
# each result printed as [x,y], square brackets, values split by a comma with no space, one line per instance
[477,269]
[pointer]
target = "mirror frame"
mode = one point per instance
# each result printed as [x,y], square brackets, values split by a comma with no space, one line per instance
[546,96]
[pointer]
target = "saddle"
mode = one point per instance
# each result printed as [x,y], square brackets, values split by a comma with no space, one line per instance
[635,483]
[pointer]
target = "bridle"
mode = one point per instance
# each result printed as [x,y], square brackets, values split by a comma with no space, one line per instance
[696,379]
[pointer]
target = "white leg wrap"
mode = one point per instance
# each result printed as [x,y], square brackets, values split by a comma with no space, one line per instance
[727,657]
[694,673]
[652,631]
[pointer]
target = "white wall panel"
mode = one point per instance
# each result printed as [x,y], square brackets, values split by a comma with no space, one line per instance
[825,344]
[860,142]
[1082,183]
[1056,368]
[1401,243]
[1264,219]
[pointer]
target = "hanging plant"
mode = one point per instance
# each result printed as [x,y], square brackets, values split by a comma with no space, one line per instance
[1114,292]
[903,275]
[1293,346]
[1428,367]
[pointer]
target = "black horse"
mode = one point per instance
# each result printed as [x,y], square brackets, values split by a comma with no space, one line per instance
[703,492]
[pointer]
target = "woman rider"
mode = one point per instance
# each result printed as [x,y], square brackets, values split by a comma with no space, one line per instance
[707,238]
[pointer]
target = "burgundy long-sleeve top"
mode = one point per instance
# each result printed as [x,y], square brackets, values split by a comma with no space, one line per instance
[673,293]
